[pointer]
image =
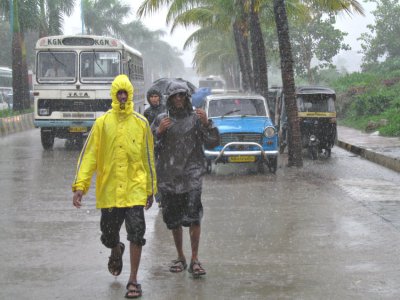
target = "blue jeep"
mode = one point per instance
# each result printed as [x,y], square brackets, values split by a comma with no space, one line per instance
[247,132]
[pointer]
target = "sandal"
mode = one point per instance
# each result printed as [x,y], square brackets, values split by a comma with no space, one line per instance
[196,268]
[178,265]
[137,289]
[115,262]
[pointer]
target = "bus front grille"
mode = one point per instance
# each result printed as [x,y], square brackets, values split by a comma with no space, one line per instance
[74,105]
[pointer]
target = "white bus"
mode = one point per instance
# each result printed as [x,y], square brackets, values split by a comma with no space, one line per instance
[5,88]
[73,81]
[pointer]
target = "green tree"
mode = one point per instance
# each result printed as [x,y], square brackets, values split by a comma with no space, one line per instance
[104,17]
[382,42]
[314,37]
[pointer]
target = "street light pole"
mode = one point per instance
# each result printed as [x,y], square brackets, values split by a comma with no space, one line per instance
[11,17]
[82,18]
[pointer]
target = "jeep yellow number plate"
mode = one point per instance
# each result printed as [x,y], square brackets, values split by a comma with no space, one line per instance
[77,129]
[241,158]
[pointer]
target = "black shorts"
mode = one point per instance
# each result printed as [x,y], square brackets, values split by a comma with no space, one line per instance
[182,209]
[111,222]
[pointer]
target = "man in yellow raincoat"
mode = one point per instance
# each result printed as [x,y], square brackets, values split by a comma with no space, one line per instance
[119,149]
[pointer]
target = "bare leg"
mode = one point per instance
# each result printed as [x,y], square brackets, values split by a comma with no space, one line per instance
[135,254]
[195,231]
[177,234]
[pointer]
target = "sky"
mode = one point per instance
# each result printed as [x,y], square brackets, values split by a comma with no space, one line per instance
[354,25]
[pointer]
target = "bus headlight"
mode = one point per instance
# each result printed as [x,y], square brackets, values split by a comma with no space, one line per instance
[269,131]
[44,111]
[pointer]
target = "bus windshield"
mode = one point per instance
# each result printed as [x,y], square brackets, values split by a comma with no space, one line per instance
[56,66]
[99,65]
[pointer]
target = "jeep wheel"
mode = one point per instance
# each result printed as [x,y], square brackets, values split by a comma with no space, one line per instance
[208,166]
[273,165]
[261,167]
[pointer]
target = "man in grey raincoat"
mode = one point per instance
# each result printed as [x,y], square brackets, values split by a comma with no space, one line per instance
[180,135]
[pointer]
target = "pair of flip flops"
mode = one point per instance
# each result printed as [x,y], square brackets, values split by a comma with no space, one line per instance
[195,267]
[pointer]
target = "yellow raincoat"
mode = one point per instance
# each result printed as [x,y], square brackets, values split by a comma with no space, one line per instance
[119,149]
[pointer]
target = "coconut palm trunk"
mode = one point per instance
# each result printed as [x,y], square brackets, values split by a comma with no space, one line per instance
[244,67]
[258,53]
[19,67]
[294,135]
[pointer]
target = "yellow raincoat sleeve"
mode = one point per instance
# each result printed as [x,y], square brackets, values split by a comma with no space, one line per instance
[148,162]
[87,162]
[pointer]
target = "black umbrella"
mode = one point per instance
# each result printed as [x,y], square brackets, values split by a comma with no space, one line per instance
[162,84]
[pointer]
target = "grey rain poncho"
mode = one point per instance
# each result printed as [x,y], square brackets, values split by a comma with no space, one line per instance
[180,159]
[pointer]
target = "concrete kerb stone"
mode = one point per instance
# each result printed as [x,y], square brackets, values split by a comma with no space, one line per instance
[14,124]
[378,158]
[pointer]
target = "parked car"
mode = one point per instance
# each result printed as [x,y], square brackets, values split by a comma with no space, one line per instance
[246,129]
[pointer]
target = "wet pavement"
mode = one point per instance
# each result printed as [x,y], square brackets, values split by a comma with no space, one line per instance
[381,150]
[329,230]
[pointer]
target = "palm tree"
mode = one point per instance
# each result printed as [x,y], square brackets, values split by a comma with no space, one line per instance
[215,54]
[160,59]
[24,16]
[104,17]
[258,50]
[225,16]
[294,138]
[282,27]
[51,15]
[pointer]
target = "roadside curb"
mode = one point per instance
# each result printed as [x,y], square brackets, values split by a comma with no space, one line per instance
[378,158]
[15,124]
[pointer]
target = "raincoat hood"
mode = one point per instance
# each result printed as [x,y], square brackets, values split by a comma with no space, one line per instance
[176,88]
[122,83]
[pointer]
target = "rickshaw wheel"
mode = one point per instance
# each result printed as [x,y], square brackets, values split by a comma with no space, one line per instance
[313,152]
[328,152]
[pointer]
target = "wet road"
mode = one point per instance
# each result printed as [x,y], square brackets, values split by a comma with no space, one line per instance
[327,231]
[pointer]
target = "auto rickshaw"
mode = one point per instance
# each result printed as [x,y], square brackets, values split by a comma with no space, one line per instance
[317,117]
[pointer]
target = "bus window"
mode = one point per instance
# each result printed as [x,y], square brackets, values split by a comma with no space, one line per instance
[5,83]
[99,66]
[56,66]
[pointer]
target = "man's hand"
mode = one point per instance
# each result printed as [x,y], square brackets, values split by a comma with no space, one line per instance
[77,199]
[149,202]
[164,125]
[202,115]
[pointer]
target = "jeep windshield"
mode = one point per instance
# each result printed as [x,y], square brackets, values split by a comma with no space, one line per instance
[236,107]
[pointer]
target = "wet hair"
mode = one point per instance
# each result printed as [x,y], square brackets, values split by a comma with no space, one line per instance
[152,92]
